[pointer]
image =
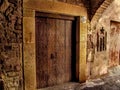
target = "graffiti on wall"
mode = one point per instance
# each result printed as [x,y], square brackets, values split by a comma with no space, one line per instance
[101,40]
[114,43]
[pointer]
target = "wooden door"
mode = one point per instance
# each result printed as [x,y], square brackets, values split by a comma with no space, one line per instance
[54,50]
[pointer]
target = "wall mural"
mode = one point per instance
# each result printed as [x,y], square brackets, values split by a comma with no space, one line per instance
[114,44]
[11,45]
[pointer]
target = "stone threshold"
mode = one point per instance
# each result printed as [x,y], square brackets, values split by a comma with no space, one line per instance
[64,86]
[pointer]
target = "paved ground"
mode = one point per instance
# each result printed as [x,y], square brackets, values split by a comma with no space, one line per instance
[104,83]
[110,82]
[65,86]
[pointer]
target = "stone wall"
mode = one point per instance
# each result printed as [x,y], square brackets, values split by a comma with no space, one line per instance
[11,44]
[102,59]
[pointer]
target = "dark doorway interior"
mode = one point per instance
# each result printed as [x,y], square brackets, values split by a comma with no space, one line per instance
[73,48]
[55,49]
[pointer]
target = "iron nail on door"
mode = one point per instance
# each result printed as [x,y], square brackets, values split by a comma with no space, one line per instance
[53,55]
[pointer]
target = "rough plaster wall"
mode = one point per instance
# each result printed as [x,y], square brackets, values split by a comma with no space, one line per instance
[102,59]
[11,44]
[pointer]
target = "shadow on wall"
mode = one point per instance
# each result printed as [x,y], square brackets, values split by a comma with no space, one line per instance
[1,85]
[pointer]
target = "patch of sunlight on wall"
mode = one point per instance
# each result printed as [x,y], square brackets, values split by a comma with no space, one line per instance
[117,2]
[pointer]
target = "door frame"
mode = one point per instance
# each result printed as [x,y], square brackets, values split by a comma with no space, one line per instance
[29,8]
[65,17]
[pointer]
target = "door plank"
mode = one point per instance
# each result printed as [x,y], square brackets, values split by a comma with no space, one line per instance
[51,52]
[41,49]
[60,37]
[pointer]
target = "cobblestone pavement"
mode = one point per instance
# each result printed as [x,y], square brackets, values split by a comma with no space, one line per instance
[104,83]
[65,86]
[110,82]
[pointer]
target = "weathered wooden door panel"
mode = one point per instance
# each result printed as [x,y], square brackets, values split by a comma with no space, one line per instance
[51,25]
[41,49]
[53,51]
[60,48]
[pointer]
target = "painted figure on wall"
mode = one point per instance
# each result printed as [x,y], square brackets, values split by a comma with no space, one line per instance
[101,40]
[114,44]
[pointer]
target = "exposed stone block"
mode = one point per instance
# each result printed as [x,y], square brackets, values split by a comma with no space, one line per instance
[11,44]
